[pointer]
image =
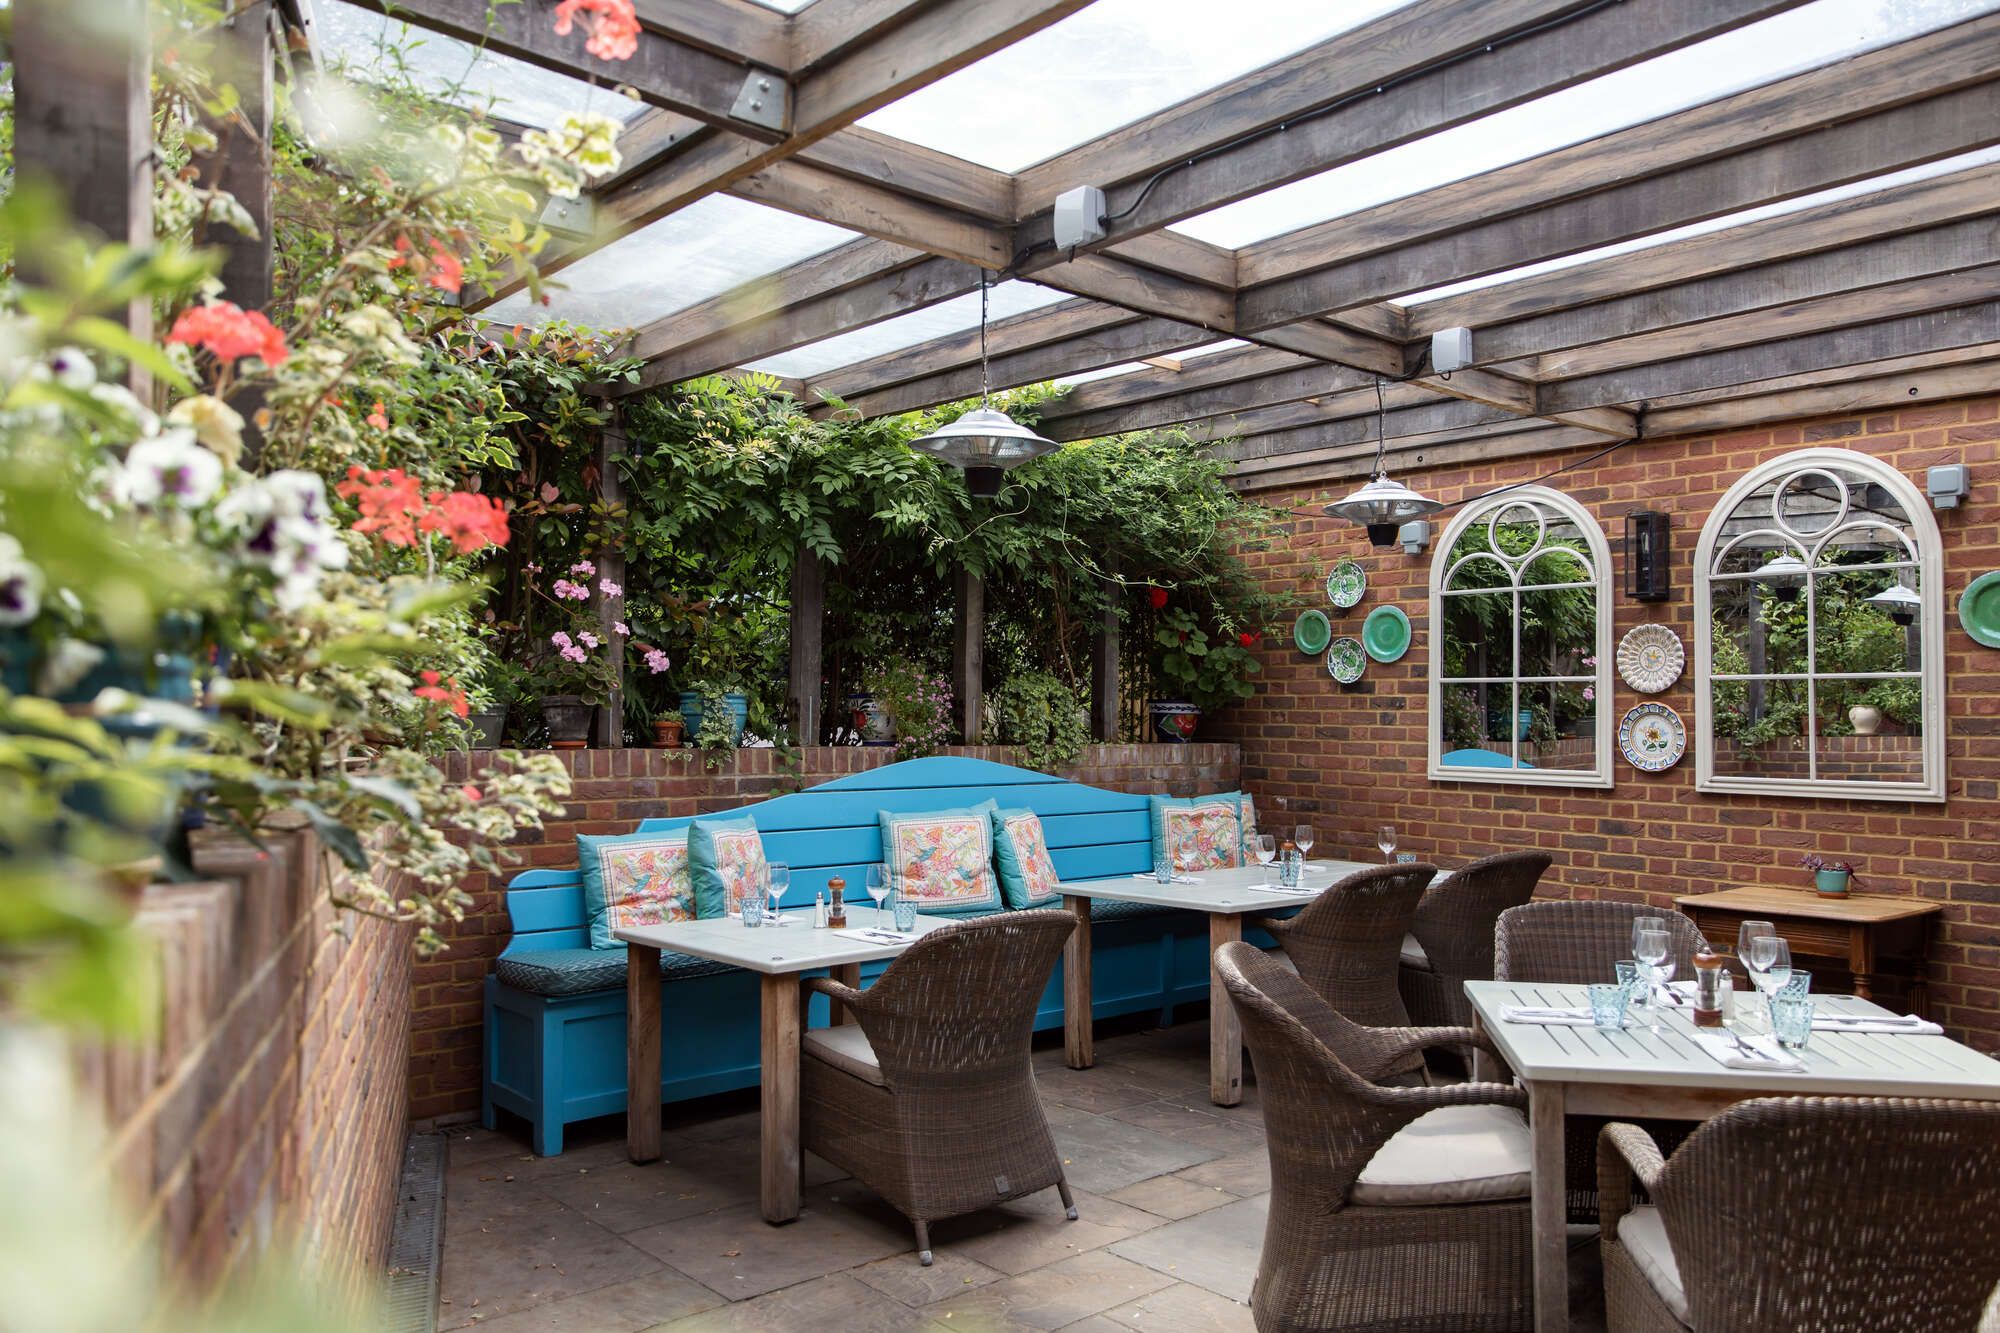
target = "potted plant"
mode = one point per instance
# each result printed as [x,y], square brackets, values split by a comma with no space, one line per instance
[1041,716]
[716,667]
[1831,879]
[918,705]
[573,669]
[668,729]
[1207,671]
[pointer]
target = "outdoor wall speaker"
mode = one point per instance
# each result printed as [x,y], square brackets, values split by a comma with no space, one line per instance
[1947,484]
[1079,217]
[1451,349]
[1646,550]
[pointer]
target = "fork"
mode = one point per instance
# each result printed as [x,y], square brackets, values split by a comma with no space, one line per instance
[1747,1048]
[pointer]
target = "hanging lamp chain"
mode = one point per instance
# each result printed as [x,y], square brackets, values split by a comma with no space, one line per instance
[984,386]
[1381,428]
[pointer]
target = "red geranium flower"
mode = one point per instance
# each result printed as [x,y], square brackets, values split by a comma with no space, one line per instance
[613,27]
[378,418]
[469,520]
[447,273]
[1159,596]
[1247,639]
[438,690]
[228,331]
[390,503]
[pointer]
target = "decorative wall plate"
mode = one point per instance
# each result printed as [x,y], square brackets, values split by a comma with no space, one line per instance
[1345,661]
[1979,609]
[1652,738]
[1312,632]
[1650,658]
[1386,633]
[1346,584]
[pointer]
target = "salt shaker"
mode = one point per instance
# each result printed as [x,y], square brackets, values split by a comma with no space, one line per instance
[1708,984]
[819,911]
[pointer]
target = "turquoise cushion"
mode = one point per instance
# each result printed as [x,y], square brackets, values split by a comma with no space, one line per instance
[726,856]
[1111,909]
[1021,853]
[580,971]
[943,859]
[1204,832]
[638,879]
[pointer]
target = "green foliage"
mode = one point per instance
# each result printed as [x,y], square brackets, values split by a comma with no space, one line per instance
[918,703]
[1207,670]
[1043,718]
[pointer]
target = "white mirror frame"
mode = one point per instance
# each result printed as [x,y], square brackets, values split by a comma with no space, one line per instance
[1930,564]
[1600,774]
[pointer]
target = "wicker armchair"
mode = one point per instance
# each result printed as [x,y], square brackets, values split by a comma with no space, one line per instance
[1577,942]
[1346,944]
[1867,1214]
[1453,934]
[1391,1207]
[930,1101]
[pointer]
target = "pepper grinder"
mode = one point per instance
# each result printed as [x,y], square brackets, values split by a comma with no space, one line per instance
[836,916]
[1708,994]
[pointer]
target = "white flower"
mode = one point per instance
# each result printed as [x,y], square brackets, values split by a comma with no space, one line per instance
[297,494]
[217,425]
[72,368]
[20,585]
[169,468]
[123,401]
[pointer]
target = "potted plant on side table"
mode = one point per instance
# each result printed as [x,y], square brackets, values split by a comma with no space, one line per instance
[1831,879]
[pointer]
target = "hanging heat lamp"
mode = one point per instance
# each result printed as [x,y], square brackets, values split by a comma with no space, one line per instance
[985,442]
[1778,574]
[1382,506]
[1900,601]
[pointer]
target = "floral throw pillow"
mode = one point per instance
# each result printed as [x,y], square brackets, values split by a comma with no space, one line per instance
[1198,832]
[1021,853]
[943,859]
[727,856]
[1248,818]
[640,879]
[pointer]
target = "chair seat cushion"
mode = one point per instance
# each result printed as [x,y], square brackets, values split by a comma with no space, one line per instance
[846,1048]
[1643,1233]
[580,971]
[1455,1154]
[1414,955]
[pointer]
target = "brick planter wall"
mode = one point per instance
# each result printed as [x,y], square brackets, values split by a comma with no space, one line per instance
[1357,757]
[267,1106]
[615,789]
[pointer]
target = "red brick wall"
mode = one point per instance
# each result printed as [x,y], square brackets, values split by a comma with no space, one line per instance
[614,790]
[1358,757]
[267,1108]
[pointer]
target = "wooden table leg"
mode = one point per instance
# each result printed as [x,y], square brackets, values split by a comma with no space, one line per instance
[1225,1032]
[1077,1047]
[847,974]
[1550,1216]
[642,1052]
[780,1116]
[1861,961]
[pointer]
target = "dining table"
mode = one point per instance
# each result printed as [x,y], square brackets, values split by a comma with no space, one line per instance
[1636,1071]
[780,956]
[1226,896]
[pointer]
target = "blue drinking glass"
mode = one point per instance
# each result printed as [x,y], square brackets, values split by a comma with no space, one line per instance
[1791,1019]
[1799,983]
[1163,870]
[1607,1003]
[753,910]
[905,908]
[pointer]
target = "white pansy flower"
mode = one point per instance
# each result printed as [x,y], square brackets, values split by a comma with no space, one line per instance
[72,368]
[169,468]
[122,400]
[20,585]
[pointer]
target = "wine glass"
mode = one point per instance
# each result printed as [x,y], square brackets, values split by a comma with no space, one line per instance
[780,880]
[877,883]
[1385,838]
[1302,838]
[1770,964]
[1649,949]
[1267,849]
[1746,932]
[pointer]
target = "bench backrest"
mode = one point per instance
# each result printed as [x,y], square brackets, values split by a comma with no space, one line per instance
[832,829]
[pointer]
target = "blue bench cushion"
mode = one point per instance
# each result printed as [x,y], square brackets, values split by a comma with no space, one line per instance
[726,857]
[580,971]
[1028,877]
[1199,832]
[942,859]
[1110,909]
[640,879]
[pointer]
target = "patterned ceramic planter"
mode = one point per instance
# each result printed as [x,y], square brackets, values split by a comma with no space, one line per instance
[1174,720]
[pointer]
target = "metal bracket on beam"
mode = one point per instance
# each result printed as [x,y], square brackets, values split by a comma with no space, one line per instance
[572,219]
[765,100]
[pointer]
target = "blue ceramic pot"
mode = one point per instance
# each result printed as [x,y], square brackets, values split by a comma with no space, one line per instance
[739,713]
[1830,883]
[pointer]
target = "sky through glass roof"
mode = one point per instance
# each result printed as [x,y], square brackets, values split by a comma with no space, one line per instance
[892,335]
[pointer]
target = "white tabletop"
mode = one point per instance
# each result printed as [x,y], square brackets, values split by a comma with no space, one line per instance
[793,947]
[1847,1063]
[1222,891]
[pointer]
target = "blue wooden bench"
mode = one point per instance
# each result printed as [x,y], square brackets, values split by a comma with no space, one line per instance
[555,1009]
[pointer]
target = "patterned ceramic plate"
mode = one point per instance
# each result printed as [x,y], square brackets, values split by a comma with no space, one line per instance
[1346,584]
[1386,633]
[1311,632]
[1650,658]
[1979,609]
[1345,661]
[1652,738]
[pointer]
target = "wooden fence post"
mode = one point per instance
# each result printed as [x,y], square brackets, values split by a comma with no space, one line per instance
[609,725]
[1104,667]
[808,627]
[968,654]
[241,165]
[83,120]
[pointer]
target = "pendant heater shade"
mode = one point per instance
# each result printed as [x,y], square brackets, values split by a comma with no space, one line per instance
[1382,506]
[1900,602]
[1777,573]
[985,442]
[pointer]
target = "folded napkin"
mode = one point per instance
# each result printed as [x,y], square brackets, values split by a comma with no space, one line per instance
[1907,1024]
[1769,1057]
[876,935]
[1578,1017]
[1177,879]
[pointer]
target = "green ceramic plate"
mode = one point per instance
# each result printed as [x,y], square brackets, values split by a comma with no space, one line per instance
[1312,633]
[1345,661]
[1979,609]
[1346,583]
[1386,633]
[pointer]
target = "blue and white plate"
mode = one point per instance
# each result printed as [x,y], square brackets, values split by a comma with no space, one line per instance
[1652,738]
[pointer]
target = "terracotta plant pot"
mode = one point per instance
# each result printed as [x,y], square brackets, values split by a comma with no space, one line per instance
[667,735]
[568,720]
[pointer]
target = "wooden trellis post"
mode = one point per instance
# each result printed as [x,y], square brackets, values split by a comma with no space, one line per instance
[241,165]
[808,628]
[968,654]
[609,726]
[1104,668]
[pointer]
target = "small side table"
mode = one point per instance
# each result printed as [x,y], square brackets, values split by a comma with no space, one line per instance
[1860,929]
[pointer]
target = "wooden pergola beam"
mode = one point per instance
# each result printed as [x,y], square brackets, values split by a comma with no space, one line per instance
[1230,366]
[734,29]
[1016,333]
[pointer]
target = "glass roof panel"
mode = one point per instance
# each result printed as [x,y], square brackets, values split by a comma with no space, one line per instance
[372,46]
[900,331]
[1864,187]
[705,249]
[1777,47]
[1104,66]
[784,6]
